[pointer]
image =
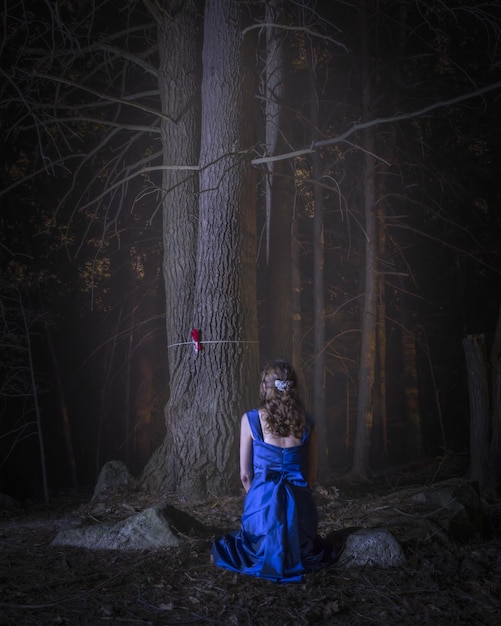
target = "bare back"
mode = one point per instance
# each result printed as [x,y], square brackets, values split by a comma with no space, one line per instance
[281,442]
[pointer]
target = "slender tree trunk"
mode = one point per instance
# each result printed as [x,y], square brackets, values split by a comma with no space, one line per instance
[485,409]
[494,473]
[369,314]
[105,377]
[386,191]
[146,358]
[296,299]
[478,388]
[143,404]
[128,415]
[350,416]
[383,192]
[436,395]
[279,193]
[379,435]
[38,414]
[319,406]
[411,391]
[381,361]
[68,441]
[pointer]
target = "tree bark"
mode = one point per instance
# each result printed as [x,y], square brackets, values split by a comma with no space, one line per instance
[279,194]
[297,326]
[319,401]
[478,388]
[381,355]
[369,316]
[494,474]
[143,404]
[179,42]
[212,388]
[225,304]
[411,391]
[34,387]
[70,452]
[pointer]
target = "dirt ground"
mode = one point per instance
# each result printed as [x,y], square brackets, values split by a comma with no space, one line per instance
[445,580]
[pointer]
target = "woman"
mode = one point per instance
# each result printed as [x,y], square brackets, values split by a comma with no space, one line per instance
[278,537]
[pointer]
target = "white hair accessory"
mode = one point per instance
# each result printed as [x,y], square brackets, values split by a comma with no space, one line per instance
[283,385]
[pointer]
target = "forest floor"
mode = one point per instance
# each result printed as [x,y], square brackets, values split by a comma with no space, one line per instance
[444,581]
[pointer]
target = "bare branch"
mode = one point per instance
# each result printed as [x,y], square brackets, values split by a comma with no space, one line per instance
[155,10]
[118,54]
[304,29]
[451,246]
[139,128]
[105,96]
[41,170]
[147,67]
[377,121]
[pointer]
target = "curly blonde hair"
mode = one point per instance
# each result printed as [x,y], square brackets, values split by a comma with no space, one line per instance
[281,407]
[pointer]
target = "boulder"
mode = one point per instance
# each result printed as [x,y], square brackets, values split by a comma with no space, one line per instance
[114,477]
[149,529]
[371,546]
[455,505]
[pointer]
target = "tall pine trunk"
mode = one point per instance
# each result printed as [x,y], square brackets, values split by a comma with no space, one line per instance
[319,401]
[367,363]
[484,387]
[279,193]
[478,389]
[411,392]
[494,469]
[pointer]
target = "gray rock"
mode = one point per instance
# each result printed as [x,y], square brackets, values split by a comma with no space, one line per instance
[146,530]
[455,505]
[371,546]
[114,477]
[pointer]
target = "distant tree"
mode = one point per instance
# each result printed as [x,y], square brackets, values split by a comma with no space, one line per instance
[388,69]
[484,391]
[276,264]
[21,382]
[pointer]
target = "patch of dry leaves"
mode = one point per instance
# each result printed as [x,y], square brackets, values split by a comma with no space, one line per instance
[443,582]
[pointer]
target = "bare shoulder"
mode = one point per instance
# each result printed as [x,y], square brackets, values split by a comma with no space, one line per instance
[245,428]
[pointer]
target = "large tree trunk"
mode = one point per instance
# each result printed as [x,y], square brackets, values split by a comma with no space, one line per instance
[225,295]
[179,43]
[211,389]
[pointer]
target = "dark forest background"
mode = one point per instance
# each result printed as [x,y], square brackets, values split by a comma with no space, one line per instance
[384,118]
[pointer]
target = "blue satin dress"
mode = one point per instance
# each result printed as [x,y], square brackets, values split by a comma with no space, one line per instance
[278,537]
